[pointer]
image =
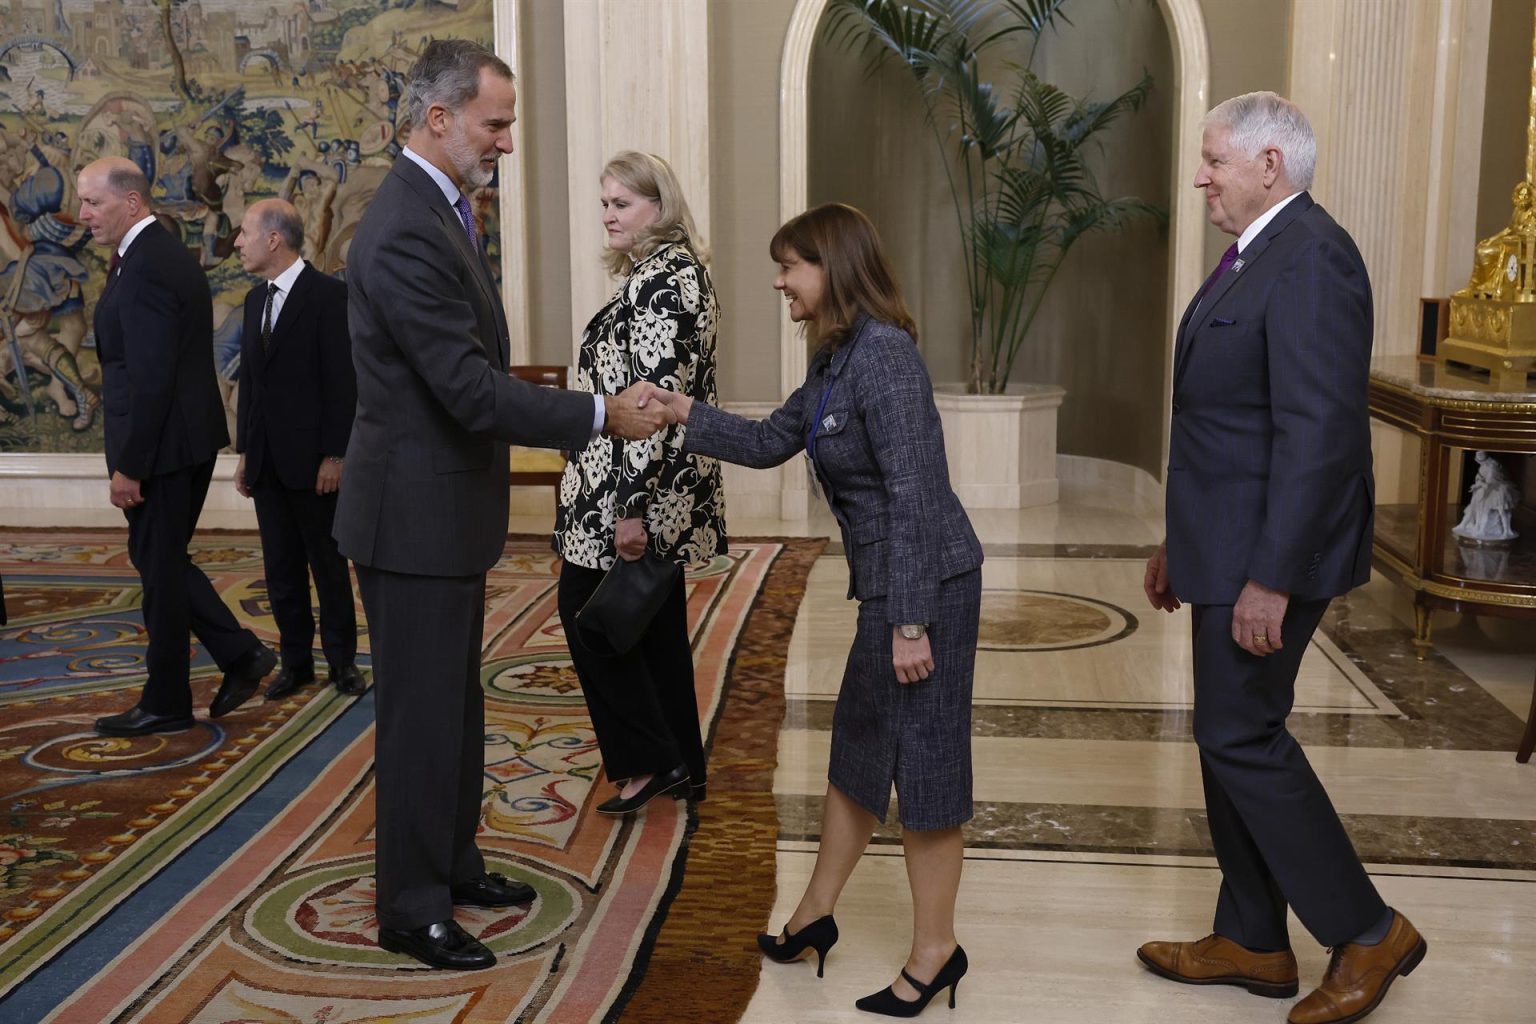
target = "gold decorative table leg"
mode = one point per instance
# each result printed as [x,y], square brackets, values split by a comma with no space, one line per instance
[1421,644]
[1528,742]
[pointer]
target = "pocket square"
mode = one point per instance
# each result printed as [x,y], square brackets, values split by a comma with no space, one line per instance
[1222,322]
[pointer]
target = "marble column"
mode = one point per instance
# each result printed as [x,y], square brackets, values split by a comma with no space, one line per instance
[636,77]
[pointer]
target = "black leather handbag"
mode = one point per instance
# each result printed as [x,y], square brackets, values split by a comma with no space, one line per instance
[620,610]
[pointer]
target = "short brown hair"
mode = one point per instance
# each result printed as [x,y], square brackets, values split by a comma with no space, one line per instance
[844,243]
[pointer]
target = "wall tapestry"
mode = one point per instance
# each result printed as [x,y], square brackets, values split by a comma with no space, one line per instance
[221,102]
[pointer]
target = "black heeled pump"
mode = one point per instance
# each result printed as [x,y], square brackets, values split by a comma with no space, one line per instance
[820,935]
[888,1004]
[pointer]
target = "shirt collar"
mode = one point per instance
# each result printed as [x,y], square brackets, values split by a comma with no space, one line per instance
[450,190]
[285,280]
[1262,221]
[133,232]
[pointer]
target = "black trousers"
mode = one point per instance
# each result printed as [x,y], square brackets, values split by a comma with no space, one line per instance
[1277,837]
[295,542]
[429,756]
[178,599]
[643,706]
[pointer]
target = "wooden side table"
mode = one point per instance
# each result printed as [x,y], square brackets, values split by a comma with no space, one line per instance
[1451,413]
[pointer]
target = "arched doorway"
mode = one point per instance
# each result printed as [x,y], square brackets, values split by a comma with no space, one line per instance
[1191,55]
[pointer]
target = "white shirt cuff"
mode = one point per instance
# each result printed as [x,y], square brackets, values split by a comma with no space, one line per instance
[599,415]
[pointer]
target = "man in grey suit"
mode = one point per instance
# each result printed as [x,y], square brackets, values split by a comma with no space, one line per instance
[423,505]
[1270,506]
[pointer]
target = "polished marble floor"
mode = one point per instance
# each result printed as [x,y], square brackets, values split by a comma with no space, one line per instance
[1090,835]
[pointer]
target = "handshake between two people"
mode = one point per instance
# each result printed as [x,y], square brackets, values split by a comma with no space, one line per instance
[643,409]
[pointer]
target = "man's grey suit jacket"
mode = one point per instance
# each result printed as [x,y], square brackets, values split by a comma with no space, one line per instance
[425,485]
[1269,462]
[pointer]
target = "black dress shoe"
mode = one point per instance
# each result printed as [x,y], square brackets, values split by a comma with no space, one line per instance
[491,890]
[241,680]
[443,944]
[350,681]
[288,681]
[138,722]
[666,782]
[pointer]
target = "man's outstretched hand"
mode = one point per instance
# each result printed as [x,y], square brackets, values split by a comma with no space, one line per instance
[626,418]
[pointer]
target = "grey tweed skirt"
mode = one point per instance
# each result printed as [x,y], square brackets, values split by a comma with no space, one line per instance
[916,736]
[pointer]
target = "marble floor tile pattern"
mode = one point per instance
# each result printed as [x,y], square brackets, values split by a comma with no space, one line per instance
[1090,833]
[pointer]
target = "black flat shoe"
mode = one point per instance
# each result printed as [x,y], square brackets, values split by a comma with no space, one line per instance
[888,1004]
[138,722]
[241,680]
[443,944]
[659,784]
[288,681]
[820,935]
[492,889]
[350,681]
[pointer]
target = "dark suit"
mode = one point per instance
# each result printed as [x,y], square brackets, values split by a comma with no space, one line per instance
[164,425]
[297,397]
[423,514]
[1269,479]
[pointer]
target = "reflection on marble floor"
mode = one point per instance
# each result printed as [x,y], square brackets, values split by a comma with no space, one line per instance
[1090,833]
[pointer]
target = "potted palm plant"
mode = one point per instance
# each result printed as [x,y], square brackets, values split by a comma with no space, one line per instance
[1017,156]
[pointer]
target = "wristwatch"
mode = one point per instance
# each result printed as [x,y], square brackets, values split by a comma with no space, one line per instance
[913,630]
[334,458]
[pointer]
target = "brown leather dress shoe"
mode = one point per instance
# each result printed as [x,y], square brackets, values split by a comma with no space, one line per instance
[1358,976]
[1214,960]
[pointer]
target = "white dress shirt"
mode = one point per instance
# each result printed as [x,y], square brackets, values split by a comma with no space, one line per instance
[451,193]
[1262,221]
[284,282]
[132,233]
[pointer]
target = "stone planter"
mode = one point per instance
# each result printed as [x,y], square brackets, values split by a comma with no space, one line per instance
[1002,448]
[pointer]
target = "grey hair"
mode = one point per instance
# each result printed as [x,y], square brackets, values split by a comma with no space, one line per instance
[123,180]
[282,218]
[1261,120]
[448,73]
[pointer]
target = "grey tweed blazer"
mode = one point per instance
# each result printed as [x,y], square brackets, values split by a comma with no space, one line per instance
[879,454]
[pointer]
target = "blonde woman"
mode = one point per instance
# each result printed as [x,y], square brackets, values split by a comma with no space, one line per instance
[620,498]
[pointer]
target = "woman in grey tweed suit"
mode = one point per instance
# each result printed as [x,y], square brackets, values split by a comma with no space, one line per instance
[866,417]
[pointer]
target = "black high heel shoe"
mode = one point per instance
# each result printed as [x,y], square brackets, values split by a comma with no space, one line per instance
[888,1004]
[820,935]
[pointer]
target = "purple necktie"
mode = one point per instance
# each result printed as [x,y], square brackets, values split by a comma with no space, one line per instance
[1227,259]
[468,220]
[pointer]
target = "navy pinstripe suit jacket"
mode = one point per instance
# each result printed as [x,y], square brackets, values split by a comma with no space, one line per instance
[1269,462]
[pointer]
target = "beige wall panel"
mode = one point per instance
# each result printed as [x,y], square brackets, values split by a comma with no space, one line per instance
[746,40]
[541,106]
[1505,111]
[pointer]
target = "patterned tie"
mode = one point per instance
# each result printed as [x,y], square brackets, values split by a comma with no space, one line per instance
[468,220]
[1227,259]
[266,317]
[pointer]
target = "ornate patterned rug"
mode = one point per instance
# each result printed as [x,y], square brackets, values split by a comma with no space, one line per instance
[225,873]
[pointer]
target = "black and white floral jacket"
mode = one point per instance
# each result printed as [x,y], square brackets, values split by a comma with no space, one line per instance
[659,326]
